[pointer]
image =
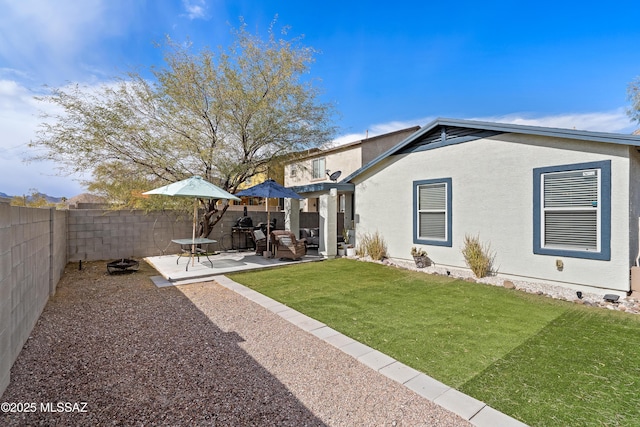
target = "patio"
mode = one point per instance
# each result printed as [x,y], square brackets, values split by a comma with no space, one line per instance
[173,270]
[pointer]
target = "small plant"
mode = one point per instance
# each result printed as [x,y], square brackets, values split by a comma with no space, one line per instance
[478,257]
[373,245]
[418,252]
[420,257]
[345,235]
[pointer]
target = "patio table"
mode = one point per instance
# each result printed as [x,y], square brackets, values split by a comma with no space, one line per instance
[188,246]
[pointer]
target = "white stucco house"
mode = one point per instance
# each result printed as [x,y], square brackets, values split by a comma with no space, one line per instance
[557,206]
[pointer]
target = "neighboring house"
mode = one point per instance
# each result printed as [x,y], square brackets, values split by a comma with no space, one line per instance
[310,174]
[556,205]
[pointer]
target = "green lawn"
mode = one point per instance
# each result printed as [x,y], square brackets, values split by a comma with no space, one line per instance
[542,361]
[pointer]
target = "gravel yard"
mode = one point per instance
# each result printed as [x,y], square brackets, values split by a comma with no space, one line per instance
[191,355]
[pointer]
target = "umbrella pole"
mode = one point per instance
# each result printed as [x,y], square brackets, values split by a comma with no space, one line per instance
[193,235]
[266,206]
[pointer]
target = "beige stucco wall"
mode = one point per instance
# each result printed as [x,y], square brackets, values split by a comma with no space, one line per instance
[346,161]
[492,197]
[634,204]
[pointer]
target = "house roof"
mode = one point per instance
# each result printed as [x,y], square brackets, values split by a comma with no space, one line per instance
[319,152]
[323,187]
[443,131]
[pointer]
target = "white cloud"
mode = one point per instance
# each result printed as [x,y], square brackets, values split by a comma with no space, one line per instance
[378,129]
[48,38]
[19,120]
[196,9]
[615,121]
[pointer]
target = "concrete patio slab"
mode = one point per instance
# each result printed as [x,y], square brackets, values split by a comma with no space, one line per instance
[174,268]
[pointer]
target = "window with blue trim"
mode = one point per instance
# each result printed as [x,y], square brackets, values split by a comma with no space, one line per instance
[432,212]
[572,210]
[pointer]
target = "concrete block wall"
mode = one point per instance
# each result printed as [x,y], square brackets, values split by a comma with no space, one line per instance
[59,242]
[307,220]
[6,354]
[97,234]
[107,234]
[36,244]
[29,238]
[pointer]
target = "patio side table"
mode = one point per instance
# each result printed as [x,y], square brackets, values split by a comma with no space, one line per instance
[189,247]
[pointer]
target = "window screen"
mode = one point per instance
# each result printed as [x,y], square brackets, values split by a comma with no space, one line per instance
[571,209]
[432,211]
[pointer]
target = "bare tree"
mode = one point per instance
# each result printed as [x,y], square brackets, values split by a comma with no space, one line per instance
[225,115]
[633,92]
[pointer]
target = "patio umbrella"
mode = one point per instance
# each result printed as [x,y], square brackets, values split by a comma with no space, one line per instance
[269,189]
[195,187]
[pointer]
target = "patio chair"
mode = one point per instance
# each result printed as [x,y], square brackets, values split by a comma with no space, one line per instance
[286,245]
[312,236]
[260,240]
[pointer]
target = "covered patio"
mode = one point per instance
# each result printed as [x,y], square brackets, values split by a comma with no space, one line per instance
[329,196]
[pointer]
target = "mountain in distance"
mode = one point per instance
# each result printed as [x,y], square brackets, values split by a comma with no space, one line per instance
[49,199]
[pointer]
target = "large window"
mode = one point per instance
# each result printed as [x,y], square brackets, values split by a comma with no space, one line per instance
[319,170]
[572,210]
[432,212]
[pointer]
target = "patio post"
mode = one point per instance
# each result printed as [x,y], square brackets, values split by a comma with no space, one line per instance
[328,210]
[292,216]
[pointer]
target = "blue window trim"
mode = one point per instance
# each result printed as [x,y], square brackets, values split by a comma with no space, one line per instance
[416,239]
[605,211]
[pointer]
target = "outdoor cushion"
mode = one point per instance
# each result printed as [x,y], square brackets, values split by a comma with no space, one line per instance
[286,241]
[286,245]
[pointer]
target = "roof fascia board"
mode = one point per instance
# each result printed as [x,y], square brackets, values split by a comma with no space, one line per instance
[543,131]
[390,151]
[323,187]
[612,138]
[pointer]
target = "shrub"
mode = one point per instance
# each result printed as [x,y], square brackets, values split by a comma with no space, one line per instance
[372,245]
[478,257]
[418,252]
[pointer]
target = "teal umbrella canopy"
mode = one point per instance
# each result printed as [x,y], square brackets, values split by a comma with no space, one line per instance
[193,187]
[197,188]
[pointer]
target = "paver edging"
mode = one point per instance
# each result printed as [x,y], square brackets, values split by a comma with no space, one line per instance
[447,397]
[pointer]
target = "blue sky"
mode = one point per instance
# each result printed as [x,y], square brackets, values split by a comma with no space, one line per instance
[385,65]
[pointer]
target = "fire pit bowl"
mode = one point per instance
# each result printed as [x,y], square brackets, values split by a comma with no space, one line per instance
[123,265]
